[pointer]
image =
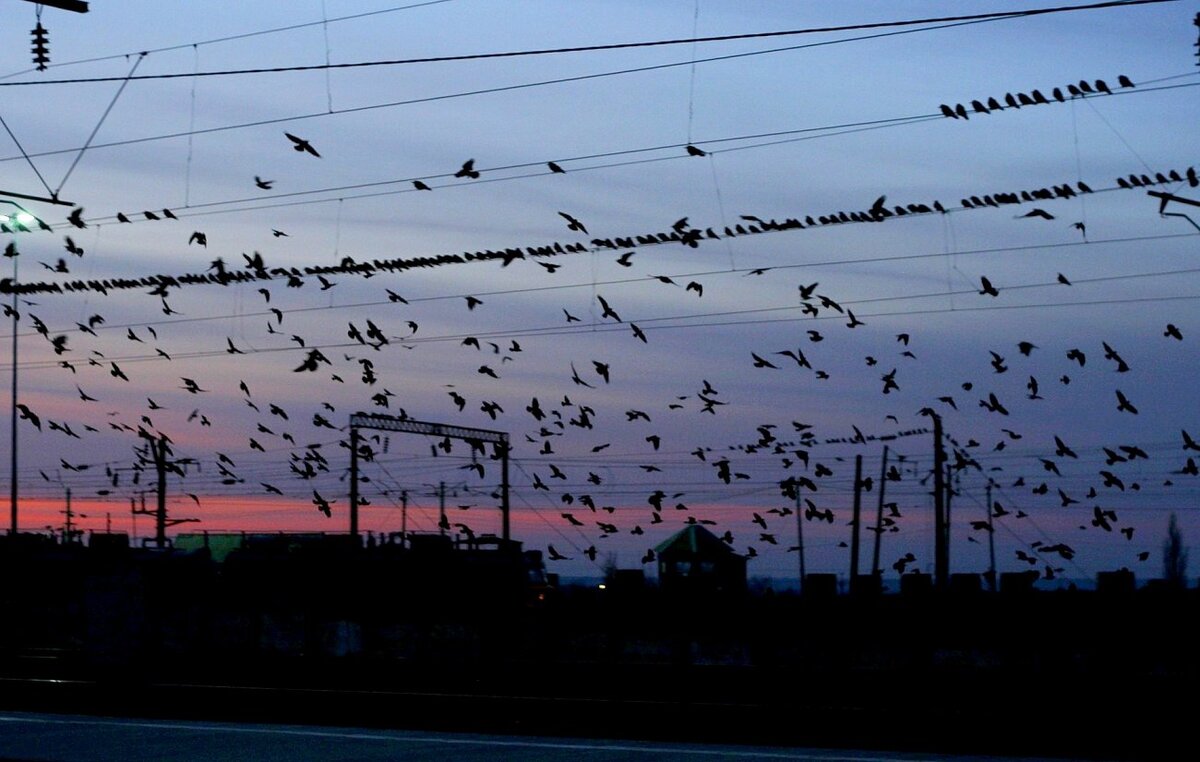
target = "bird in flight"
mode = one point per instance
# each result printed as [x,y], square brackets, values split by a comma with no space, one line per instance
[468,170]
[1039,213]
[1123,404]
[987,288]
[263,184]
[572,223]
[302,145]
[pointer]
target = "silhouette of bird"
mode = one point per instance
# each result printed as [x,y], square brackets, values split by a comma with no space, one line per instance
[301,145]
[694,151]
[473,302]
[311,361]
[572,223]
[468,170]
[761,363]
[1124,405]
[993,405]
[323,505]
[1188,442]
[76,217]
[987,288]
[1111,354]
[29,415]
[607,311]
[1036,212]
[555,168]
[262,184]
[1173,332]
[1061,449]
[555,555]
[198,237]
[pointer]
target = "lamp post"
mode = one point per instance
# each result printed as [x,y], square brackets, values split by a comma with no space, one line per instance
[19,220]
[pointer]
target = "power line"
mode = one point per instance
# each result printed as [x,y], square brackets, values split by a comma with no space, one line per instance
[228,38]
[978,17]
[799,134]
[650,326]
[697,274]
[160,282]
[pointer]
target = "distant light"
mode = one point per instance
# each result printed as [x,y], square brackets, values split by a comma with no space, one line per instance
[25,218]
[602,586]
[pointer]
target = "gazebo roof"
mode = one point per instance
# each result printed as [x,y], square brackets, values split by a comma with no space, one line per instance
[694,540]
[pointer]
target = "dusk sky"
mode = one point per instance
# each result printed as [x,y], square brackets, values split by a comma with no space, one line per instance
[798,126]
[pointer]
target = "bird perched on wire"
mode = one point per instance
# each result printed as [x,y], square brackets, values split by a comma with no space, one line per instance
[302,145]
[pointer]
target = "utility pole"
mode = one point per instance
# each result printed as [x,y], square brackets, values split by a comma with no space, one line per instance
[854,533]
[13,486]
[404,519]
[442,523]
[993,582]
[504,505]
[354,482]
[940,565]
[946,524]
[879,514]
[800,538]
[158,452]
[69,533]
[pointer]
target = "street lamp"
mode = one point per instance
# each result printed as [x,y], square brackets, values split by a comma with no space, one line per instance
[14,222]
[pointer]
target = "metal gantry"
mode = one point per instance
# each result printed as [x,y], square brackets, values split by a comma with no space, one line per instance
[409,426]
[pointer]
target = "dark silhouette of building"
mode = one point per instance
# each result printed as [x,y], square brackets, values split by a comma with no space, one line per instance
[696,560]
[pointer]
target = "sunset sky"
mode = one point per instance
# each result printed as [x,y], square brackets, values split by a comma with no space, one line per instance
[795,126]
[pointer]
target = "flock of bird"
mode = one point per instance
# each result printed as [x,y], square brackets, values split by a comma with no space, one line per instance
[1034,98]
[804,477]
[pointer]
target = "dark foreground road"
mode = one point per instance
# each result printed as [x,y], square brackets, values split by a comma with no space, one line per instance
[81,738]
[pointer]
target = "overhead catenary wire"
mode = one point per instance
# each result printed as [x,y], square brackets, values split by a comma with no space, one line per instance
[233,37]
[161,282]
[256,203]
[638,280]
[957,20]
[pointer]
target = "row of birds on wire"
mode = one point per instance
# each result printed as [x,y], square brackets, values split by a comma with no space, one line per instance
[681,232]
[1034,98]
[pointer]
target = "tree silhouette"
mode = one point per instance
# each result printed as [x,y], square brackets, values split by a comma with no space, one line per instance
[1175,556]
